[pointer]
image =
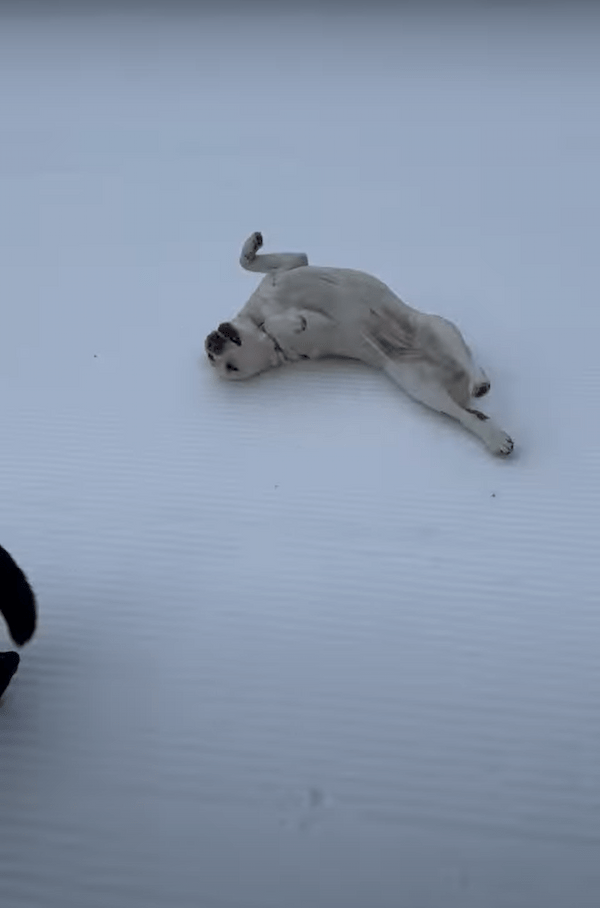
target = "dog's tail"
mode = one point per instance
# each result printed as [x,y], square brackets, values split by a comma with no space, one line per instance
[17,601]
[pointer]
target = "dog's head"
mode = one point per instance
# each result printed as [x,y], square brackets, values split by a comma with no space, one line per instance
[241,350]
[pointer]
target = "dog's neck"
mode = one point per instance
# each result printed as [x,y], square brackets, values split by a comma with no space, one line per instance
[278,350]
[278,355]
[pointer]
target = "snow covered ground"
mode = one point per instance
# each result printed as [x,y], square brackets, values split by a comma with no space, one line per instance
[301,642]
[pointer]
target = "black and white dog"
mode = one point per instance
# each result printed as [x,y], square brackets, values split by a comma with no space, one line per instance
[18,606]
[300,311]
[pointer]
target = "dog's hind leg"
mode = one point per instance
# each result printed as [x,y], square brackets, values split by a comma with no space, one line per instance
[454,344]
[418,380]
[275,261]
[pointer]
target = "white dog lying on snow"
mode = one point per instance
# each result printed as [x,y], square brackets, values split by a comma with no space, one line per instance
[300,311]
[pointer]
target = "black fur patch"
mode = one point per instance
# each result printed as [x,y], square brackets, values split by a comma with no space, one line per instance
[9,663]
[478,414]
[17,602]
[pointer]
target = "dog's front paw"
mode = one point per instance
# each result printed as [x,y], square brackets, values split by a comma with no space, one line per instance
[252,245]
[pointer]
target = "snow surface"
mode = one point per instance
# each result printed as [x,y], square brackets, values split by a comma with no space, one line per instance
[301,643]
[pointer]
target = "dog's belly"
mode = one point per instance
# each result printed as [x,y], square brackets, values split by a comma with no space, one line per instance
[315,312]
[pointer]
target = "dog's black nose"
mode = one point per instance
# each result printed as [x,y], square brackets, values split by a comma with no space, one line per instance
[215,342]
[231,333]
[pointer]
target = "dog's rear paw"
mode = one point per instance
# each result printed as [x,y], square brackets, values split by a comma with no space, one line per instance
[501,444]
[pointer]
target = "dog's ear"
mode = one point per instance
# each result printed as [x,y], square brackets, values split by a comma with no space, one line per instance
[231,333]
[215,343]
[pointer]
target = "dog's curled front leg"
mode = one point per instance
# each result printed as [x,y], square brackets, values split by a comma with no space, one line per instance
[274,261]
[250,248]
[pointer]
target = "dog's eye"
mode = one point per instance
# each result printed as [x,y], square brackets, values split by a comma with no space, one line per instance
[231,368]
